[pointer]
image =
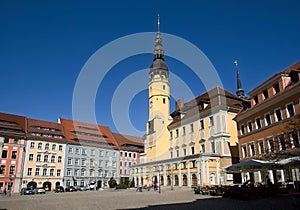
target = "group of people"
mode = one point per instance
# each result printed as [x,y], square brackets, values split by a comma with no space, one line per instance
[5,192]
[149,187]
[251,184]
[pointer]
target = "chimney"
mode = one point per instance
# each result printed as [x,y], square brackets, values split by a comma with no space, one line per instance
[179,104]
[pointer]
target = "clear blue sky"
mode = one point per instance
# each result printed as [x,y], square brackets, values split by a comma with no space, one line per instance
[44,45]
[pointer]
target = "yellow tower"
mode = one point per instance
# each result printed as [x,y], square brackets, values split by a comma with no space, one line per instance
[157,135]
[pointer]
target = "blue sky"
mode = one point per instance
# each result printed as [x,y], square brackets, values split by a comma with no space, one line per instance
[45,44]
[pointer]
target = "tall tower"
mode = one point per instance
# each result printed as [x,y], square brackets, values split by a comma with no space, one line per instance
[159,104]
[240,91]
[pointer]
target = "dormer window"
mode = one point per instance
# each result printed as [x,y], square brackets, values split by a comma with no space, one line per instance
[294,77]
[255,99]
[276,88]
[266,94]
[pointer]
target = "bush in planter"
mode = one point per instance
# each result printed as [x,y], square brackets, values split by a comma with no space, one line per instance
[205,190]
[112,183]
[121,186]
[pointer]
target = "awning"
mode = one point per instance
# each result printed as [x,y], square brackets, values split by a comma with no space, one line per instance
[250,165]
[289,163]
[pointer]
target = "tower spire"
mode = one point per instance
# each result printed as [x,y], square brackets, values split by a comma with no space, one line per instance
[158,23]
[158,50]
[240,91]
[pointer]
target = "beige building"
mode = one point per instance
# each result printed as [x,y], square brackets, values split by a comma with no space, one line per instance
[194,144]
[45,155]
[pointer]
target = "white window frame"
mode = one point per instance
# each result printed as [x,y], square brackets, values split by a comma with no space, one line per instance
[58,172]
[51,172]
[192,150]
[37,171]
[269,145]
[203,149]
[202,126]
[29,171]
[69,161]
[30,158]
[288,115]
[191,128]
[69,172]
[242,131]
[265,118]
[183,131]
[211,121]
[259,148]
[53,159]
[248,128]
[38,158]
[44,173]
[256,125]
[244,151]
[252,150]
[213,146]
[275,115]
[40,145]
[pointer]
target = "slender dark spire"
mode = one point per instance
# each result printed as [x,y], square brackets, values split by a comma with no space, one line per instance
[240,91]
[158,50]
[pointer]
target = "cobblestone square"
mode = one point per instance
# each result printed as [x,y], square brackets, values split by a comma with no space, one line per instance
[130,199]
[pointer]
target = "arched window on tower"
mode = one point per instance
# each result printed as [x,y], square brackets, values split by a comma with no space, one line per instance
[164,100]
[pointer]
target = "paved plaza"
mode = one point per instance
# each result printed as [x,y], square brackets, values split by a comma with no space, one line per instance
[130,199]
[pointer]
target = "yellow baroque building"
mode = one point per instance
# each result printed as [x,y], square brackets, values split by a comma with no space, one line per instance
[194,144]
[46,150]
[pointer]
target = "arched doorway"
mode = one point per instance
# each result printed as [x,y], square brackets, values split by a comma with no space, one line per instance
[194,180]
[99,184]
[168,180]
[176,180]
[47,186]
[212,179]
[57,184]
[161,182]
[142,180]
[184,180]
[32,184]
[154,179]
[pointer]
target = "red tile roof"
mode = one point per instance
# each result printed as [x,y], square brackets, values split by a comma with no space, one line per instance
[82,133]
[45,130]
[12,125]
[130,143]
